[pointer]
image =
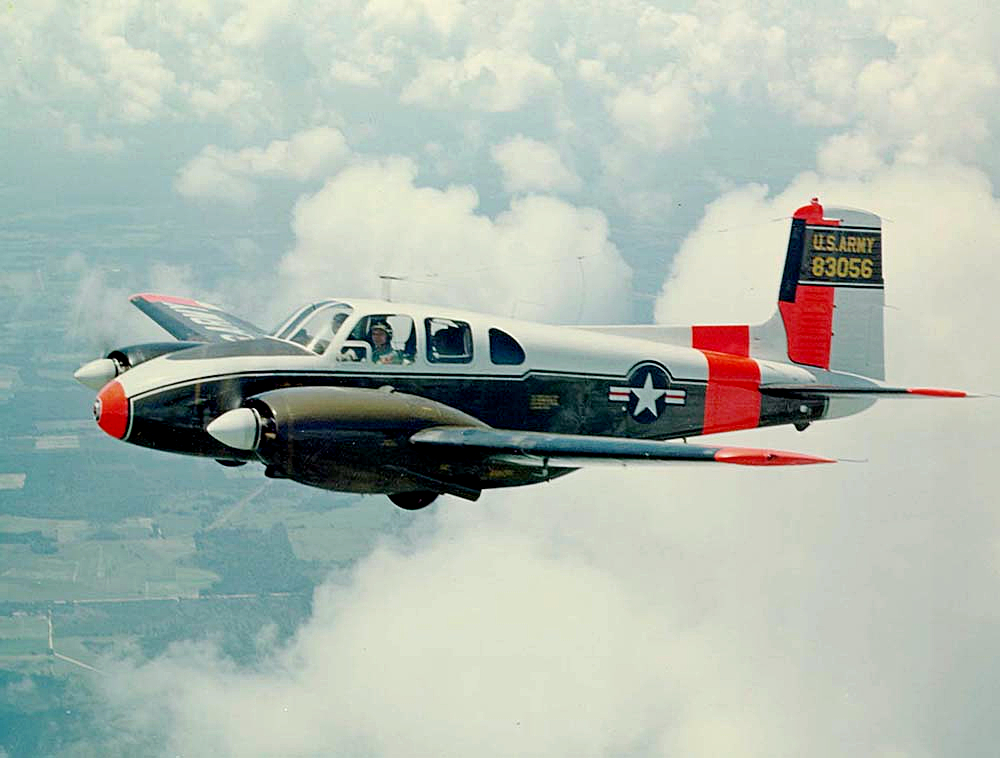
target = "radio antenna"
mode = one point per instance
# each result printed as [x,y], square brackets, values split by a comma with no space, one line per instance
[387,281]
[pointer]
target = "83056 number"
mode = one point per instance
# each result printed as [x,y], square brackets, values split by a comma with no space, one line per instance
[838,267]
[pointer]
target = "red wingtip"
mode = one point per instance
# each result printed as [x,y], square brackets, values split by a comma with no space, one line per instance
[751,456]
[932,392]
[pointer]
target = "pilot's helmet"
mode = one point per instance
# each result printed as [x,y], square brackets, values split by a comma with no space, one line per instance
[384,326]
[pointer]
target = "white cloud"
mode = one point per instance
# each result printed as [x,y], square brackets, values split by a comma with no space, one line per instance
[140,77]
[214,175]
[595,72]
[492,80]
[221,99]
[542,258]
[848,155]
[413,15]
[253,24]
[660,115]
[217,174]
[350,73]
[528,164]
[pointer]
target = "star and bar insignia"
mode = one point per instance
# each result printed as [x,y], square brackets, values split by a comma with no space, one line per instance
[647,394]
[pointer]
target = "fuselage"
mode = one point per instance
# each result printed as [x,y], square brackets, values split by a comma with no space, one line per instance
[505,373]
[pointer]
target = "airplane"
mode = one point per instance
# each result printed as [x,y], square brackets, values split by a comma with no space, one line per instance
[415,401]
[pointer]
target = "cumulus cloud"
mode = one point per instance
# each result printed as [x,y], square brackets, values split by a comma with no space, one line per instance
[358,676]
[230,176]
[222,97]
[491,80]
[848,155]
[541,258]
[252,25]
[659,116]
[350,73]
[415,16]
[528,164]
[141,79]
[642,78]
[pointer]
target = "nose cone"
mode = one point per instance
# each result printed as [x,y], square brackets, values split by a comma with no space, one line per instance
[96,373]
[239,428]
[111,410]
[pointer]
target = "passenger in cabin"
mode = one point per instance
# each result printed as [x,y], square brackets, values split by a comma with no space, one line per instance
[380,337]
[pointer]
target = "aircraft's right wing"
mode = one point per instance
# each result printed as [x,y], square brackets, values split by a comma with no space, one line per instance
[571,450]
[188,319]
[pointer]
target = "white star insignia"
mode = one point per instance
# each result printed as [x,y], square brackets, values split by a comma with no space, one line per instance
[647,395]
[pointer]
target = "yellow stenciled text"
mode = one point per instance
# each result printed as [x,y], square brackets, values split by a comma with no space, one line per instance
[835,242]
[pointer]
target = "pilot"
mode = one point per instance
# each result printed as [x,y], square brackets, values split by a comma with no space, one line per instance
[380,335]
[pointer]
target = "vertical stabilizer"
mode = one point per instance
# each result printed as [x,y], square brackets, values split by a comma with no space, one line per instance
[832,292]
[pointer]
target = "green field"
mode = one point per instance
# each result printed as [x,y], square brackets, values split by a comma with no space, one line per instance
[23,634]
[220,564]
[91,569]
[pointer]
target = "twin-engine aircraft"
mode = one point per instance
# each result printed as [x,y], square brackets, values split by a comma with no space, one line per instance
[415,401]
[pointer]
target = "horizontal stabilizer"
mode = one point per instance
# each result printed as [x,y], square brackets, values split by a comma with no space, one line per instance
[542,448]
[812,390]
[187,319]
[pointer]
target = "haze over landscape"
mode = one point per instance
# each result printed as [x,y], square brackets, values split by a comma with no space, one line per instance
[565,162]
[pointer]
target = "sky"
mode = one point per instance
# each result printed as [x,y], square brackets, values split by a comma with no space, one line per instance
[573,163]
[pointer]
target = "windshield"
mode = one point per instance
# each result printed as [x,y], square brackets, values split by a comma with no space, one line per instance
[287,325]
[316,326]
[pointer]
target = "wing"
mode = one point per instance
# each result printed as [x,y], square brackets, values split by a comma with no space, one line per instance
[570,450]
[188,319]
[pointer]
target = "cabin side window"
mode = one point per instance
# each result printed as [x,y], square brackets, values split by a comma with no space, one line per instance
[448,341]
[385,339]
[504,350]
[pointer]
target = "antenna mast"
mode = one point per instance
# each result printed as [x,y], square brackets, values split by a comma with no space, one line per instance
[387,280]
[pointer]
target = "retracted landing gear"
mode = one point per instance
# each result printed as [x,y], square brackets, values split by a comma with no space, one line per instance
[413,501]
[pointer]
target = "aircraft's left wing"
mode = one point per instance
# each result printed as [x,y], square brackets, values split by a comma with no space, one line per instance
[570,450]
[188,319]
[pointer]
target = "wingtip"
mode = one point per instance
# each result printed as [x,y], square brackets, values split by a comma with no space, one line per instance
[749,456]
[152,297]
[936,392]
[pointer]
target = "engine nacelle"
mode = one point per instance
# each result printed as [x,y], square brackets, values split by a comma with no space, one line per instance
[315,433]
[99,372]
[345,438]
[132,355]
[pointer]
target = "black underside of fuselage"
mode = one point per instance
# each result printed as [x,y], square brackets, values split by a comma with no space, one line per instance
[381,459]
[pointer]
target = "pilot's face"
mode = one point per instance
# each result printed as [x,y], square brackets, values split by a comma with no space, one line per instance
[379,337]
